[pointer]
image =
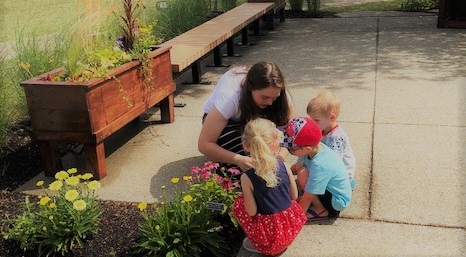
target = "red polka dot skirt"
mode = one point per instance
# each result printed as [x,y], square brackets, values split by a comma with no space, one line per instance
[270,234]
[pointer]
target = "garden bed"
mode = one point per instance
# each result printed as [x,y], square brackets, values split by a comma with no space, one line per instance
[118,225]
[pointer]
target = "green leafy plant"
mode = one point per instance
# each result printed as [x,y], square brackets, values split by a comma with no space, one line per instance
[418,5]
[296,5]
[62,218]
[191,224]
[134,41]
[179,16]
[313,5]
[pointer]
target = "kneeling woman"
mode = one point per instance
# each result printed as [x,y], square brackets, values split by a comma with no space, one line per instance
[241,94]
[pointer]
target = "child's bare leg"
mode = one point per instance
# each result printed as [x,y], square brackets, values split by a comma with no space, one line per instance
[307,200]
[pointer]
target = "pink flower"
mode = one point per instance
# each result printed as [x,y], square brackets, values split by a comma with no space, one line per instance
[234,171]
[226,183]
[236,185]
[195,170]
[205,175]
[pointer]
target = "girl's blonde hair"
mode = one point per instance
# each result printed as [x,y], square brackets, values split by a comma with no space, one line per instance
[324,102]
[260,137]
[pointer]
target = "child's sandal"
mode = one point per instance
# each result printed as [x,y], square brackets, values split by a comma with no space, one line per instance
[312,215]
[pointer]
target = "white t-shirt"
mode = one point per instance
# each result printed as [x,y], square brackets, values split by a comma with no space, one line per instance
[227,94]
[339,142]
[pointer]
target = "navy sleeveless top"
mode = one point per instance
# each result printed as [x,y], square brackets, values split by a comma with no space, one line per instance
[271,200]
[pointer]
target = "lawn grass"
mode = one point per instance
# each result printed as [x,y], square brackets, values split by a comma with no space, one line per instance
[44,16]
[47,16]
[394,5]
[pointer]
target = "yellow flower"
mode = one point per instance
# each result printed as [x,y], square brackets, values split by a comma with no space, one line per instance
[50,217]
[187,178]
[157,227]
[142,206]
[144,30]
[175,180]
[61,175]
[44,228]
[93,185]
[72,181]
[55,185]
[79,205]
[72,170]
[187,198]
[40,183]
[53,205]
[25,65]
[71,195]
[44,200]
[87,176]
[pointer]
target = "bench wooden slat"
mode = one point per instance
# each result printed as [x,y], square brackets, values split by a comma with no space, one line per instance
[199,41]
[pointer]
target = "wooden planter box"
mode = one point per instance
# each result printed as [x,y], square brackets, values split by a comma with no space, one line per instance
[88,112]
[452,14]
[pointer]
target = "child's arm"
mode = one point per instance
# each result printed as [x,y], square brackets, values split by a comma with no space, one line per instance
[293,187]
[297,168]
[249,201]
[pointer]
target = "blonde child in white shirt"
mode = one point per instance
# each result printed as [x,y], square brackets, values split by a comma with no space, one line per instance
[324,108]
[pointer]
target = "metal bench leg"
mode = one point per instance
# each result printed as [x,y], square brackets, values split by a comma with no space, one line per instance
[244,36]
[256,27]
[217,58]
[270,20]
[282,14]
[231,47]
[196,72]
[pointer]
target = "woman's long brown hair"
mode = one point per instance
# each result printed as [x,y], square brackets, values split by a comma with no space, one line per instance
[262,75]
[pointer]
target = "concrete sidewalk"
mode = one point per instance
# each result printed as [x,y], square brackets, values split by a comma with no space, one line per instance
[402,83]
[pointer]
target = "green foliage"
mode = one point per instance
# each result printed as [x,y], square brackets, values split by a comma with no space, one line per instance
[180,16]
[8,98]
[61,220]
[180,229]
[313,5]
[228,4]
[37,54]
[296,5]
[418,5]
[107,47]
[186,226]
[392,5]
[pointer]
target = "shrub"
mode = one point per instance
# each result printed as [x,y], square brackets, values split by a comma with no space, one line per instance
[313,5]
[61,220]
[296,5]
[192,223]
[418,5]
[178,16]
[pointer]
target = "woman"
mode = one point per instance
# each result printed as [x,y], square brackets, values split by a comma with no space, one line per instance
[242,94]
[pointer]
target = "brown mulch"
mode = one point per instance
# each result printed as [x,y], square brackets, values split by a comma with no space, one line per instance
[117,236]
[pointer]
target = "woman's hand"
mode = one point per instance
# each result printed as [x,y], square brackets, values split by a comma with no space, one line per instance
[243,162]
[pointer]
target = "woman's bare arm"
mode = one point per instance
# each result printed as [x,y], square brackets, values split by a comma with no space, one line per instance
[213,126]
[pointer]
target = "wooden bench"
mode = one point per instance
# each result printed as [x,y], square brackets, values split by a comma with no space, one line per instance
[278,10]
[191,46]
